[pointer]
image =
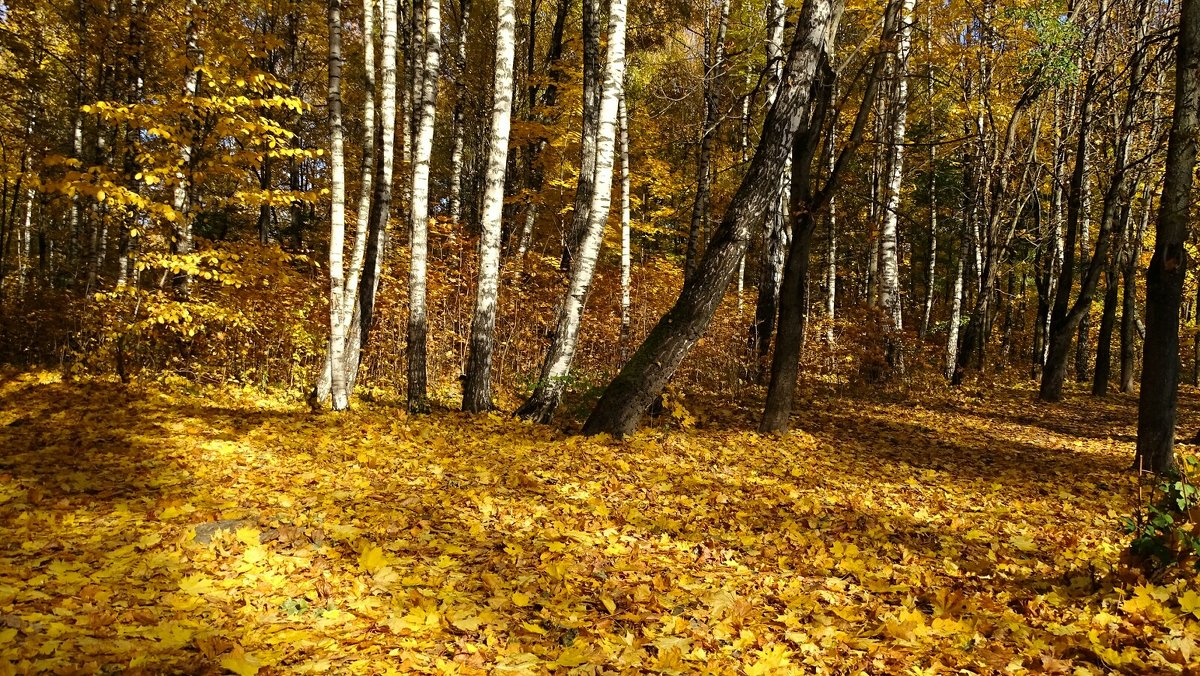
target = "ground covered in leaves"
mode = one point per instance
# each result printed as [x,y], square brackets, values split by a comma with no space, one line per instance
[145,530]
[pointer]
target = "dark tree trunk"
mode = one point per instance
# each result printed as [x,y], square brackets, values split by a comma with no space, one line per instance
[1168,267]
[591,126]
[641,380]
[1108,320]
[1129,319]
[713,76]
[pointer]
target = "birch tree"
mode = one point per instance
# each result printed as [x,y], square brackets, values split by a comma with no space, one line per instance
[623,129]
[889,260]
[337,212]
[419,210]
[775,242]
[477,389]
[460,96]
[551,383]
[181,197]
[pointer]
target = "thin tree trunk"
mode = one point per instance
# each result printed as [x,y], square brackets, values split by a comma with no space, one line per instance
[956,305]
[889,258]
[546,396]
[1082,340]
[419,210]
[931,266]
[714,71]
[588,139]
[477,389]
[1129,312]
[831,271]
[337,212]
[1108,319]
[460,95]
[623,130]
[181,198]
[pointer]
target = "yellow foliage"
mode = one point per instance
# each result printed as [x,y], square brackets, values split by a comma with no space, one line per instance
[913,537]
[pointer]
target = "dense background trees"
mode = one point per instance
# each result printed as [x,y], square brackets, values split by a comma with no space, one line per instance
[894,188]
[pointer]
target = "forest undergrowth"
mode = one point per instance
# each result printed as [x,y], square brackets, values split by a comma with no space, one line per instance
[151,529]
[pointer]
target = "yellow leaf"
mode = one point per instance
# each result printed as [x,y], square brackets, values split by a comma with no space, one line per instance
[1023,543]
[520,599]
[571,657]
[371,559]
[248,535]
[1190,603]
[196,585]
[609,604]
[240,662]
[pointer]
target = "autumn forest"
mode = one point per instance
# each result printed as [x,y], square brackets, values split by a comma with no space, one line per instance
[597,336]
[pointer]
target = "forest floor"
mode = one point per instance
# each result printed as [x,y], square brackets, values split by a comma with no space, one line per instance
[148,530]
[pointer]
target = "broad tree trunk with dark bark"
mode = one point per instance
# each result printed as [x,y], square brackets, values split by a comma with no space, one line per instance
[1168,267]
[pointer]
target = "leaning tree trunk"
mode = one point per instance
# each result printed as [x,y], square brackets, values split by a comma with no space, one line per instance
[805,204]
[419,212]
[1168,267]
[557,366]
[889,259]
[647,372]
[477,390]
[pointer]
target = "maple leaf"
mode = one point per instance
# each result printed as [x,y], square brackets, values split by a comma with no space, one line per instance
[240,662]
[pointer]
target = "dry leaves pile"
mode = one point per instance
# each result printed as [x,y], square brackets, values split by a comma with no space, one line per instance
[147,531]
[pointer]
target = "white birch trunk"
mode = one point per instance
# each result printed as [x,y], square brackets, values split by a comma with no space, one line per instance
[419,209]
[25,249]
[831,271]
[889,259]
[477,390]
[931,269]
[557,366]
[460,86]
[623,129]
[337,212]
[367,171]
[181,202]
[956,311]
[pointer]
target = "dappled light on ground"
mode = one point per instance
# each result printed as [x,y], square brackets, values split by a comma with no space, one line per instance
[148,531]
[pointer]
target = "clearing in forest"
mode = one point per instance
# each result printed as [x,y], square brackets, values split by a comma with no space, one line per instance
[145,530]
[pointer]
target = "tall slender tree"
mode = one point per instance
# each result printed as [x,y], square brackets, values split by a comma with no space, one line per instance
[417,336]
[477,389]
